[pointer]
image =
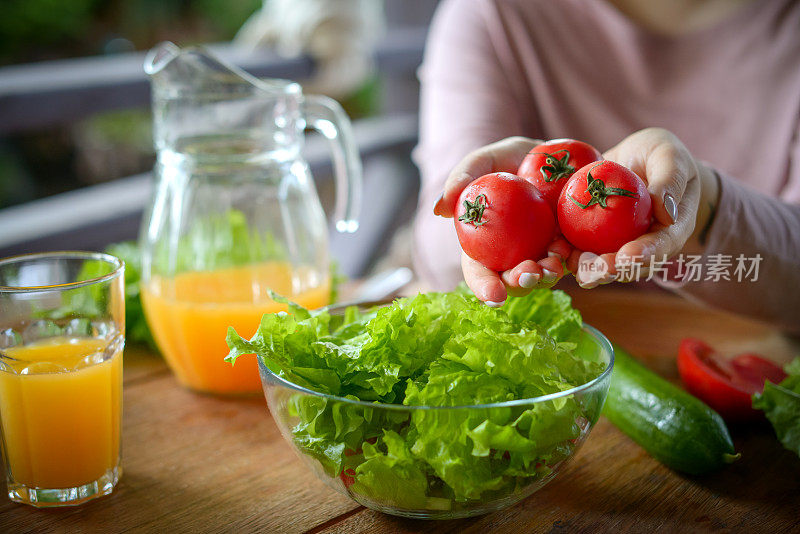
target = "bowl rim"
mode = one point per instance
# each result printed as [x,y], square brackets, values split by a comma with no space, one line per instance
[599,337]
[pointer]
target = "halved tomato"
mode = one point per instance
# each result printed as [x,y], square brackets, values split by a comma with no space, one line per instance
[725,385]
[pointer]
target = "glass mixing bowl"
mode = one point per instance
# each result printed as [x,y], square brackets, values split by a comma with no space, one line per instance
[564,420]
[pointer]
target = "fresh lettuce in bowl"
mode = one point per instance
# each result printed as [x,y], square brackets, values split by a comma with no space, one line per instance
[435,405]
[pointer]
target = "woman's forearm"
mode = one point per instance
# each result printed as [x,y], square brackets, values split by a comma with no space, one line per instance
[750,248]
[706,210]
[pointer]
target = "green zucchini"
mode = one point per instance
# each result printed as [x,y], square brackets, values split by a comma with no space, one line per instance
[676,428]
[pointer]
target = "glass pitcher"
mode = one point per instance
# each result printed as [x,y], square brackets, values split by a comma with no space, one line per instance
[235,214]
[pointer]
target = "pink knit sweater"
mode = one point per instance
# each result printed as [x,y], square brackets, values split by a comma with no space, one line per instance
[581,69]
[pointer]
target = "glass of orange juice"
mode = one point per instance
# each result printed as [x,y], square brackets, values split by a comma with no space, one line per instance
[62,332]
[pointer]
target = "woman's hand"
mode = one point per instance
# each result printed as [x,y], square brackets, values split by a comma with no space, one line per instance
[489,286]
[684,194]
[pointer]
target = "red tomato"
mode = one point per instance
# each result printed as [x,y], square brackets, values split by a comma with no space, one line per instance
[549,165]
[603,206]
[502,220]
[754,370]
[348,477]
[725,385]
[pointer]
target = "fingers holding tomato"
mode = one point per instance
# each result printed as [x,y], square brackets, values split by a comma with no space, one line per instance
[604,208]
[593,270]
[522,278]
[608,214]
[506,226]
[506,229]
[559,247]
[667,165]
[552,271]
[677,183]
[667,240]
[484,283]
[530,275]
[493,288]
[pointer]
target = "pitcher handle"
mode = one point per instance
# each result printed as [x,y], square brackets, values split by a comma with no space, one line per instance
[327,116]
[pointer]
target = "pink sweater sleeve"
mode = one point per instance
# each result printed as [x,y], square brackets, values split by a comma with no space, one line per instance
[488,63]
[748,225]
[469,99]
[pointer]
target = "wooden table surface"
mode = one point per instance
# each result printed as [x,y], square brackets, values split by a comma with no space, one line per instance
[195,463]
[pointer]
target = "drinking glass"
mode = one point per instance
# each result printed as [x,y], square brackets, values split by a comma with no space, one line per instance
[62,328]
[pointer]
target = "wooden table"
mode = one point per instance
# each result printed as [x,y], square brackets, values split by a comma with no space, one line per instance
[195,463]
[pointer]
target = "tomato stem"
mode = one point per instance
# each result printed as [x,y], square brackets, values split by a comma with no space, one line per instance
[557,167]
[474,211]
[600,193]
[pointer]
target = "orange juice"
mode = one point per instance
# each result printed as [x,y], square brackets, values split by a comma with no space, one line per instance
[60,414]
[189,316]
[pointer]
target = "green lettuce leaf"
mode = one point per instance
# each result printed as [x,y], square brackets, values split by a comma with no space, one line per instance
[136,329]
[551,310]
[441,350]
[781,405]
[393,477]
[216,241]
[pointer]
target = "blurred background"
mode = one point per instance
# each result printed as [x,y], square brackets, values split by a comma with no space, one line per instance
[75,128]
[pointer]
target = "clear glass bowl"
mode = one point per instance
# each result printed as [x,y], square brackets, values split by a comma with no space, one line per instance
[289,404]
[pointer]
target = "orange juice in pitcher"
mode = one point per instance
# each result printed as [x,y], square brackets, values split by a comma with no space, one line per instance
[235,211]
[190,315]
